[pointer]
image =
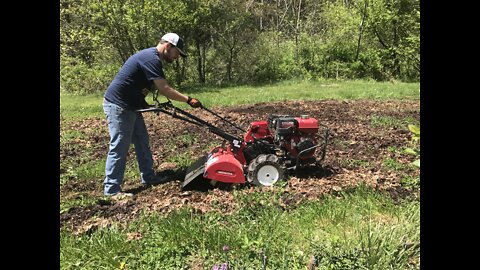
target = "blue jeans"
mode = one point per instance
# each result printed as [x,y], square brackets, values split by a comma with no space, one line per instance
[125,127]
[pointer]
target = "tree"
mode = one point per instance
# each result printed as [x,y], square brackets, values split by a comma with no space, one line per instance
[395,25]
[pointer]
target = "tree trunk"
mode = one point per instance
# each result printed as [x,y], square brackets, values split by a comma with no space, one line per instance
[204,59]
[201,74]
[144,37]
[396,60]
[361,30]
[297,28]
[231,58]
[261,20]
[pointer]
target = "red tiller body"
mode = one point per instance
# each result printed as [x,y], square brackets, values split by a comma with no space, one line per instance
[257,130]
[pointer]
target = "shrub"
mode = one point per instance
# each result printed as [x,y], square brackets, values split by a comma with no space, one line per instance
[79,78]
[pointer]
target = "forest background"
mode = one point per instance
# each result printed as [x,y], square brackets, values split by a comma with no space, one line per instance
[240,42]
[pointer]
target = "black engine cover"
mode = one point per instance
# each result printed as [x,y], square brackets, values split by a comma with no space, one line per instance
[305,144]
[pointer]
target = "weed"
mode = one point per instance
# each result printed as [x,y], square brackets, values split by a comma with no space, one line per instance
[393,149]
[410,181]
[414,148]
[81,200]
[394,165]
[182,160]
[188,139]
[355,163]
[391,122]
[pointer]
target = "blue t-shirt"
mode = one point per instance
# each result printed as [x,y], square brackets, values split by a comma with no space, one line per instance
[137,73]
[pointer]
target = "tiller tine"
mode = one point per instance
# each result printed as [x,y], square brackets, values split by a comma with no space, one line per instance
[194,175]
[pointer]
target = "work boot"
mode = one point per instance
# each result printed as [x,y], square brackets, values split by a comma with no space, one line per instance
[157,180]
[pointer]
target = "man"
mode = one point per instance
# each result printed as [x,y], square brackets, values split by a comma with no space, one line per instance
[123,97]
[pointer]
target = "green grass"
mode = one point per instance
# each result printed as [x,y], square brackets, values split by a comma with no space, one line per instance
[388,121]
[77,200]
[394,165]
[410,181]
[359,229]
[182,160]
[78,172]
[74,106]
[307,90]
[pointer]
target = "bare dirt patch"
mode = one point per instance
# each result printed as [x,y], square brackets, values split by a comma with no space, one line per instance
[357,153]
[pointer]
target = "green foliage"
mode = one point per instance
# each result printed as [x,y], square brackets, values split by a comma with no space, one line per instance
[416,132]
[414,148]
[416,163]
[394,26]
[276,61]
[182,160]
[107,250]
[77,32]
[370,65]
[79,78]
[232,42]
[74,107]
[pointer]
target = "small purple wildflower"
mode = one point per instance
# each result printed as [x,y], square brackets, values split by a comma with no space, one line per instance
[224,266]
[215,267]
[226,248]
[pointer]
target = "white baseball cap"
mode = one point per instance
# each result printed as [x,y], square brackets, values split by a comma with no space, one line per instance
[176,41]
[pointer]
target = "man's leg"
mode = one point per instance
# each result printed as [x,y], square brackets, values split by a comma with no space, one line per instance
[120,126]
[141,142]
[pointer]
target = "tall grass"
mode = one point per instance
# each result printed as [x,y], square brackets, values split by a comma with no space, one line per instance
[360,229]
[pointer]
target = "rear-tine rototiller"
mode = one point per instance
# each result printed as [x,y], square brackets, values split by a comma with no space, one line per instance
[262,156]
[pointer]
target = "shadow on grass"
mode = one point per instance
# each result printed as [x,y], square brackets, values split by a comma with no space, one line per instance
[202,184]
[313,171]
[171,175]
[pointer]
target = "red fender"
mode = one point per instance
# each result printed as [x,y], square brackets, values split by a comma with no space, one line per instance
[222,166]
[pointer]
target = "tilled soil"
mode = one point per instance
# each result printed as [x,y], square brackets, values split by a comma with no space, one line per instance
[359,149]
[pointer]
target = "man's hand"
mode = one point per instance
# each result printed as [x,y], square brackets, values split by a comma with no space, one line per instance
[194,103]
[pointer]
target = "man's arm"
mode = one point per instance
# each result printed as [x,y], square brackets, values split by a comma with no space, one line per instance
[171,93]
[168,91]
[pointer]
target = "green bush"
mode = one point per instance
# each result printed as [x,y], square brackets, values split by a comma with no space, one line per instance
[275,61]
[79,78]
